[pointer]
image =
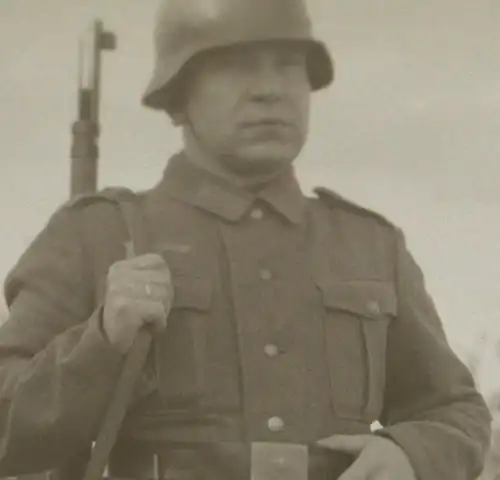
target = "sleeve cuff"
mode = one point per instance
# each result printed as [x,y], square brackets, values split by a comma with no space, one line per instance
[107,358]
[94,345]
[432,453]
[97,320]
[406,437]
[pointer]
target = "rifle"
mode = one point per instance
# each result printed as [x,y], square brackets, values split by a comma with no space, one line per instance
[86,129]
[85,155]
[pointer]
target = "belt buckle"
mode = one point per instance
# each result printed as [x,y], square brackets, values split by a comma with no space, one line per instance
[279,461]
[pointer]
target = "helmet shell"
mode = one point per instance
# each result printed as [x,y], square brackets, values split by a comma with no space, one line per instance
[186,28]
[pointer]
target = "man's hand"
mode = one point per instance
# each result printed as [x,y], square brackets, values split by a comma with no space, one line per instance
[139,292]
[377,458]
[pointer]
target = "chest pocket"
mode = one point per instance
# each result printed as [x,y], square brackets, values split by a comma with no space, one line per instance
[180,353]
[357,315]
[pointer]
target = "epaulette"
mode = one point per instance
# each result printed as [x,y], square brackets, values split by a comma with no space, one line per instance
[110,194]
[82,200]
[335,200]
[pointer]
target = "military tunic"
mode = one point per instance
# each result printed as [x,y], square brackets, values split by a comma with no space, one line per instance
[294,318]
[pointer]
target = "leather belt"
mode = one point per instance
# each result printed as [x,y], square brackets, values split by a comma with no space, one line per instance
[225,461]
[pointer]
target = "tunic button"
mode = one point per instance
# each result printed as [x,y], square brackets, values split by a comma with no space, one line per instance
[271,350]
[373,307]
[266,275]
[257,214]
[275,424]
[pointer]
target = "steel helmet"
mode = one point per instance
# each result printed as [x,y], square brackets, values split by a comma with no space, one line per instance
[185,28]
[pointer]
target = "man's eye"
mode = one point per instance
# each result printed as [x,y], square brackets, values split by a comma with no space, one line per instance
[232,61]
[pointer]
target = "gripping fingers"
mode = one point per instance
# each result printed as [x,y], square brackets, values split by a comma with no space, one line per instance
[139,313]
[119,277]
[142,291]
[150,261]
[154,315]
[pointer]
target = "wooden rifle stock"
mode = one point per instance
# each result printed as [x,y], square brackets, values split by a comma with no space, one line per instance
[117,407]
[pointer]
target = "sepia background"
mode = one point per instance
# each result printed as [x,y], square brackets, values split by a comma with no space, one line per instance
[410,128]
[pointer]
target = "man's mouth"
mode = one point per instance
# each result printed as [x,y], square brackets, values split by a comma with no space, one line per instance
[266,122]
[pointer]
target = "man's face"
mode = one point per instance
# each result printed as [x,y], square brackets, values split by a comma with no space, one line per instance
[249,105]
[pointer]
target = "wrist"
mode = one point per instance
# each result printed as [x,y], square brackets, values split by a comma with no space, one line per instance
[102,329]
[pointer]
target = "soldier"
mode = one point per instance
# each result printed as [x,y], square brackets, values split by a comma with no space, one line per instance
[285,325]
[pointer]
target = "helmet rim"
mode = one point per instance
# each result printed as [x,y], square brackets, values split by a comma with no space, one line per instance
[320,68]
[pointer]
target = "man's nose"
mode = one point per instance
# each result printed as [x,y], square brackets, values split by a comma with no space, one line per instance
[267,83]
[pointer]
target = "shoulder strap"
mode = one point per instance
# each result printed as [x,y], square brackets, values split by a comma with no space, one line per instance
[137,228]
[139,244]
[128,202]
[335,200]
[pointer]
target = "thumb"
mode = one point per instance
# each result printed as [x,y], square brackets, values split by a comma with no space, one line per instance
[353,444]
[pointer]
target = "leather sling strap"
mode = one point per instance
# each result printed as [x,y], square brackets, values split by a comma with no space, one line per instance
[136,358]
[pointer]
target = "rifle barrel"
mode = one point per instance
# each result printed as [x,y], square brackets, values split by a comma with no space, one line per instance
[85,130]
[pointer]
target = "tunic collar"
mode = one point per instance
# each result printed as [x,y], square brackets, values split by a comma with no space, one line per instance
[185,181]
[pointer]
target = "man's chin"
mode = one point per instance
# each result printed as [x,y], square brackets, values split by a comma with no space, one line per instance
[258,167]
[270,154]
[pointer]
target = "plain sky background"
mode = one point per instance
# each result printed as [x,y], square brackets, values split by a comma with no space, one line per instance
[411,128]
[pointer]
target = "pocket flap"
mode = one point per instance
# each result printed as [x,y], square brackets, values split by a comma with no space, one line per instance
[370,298]
[192,279]
[192,292]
